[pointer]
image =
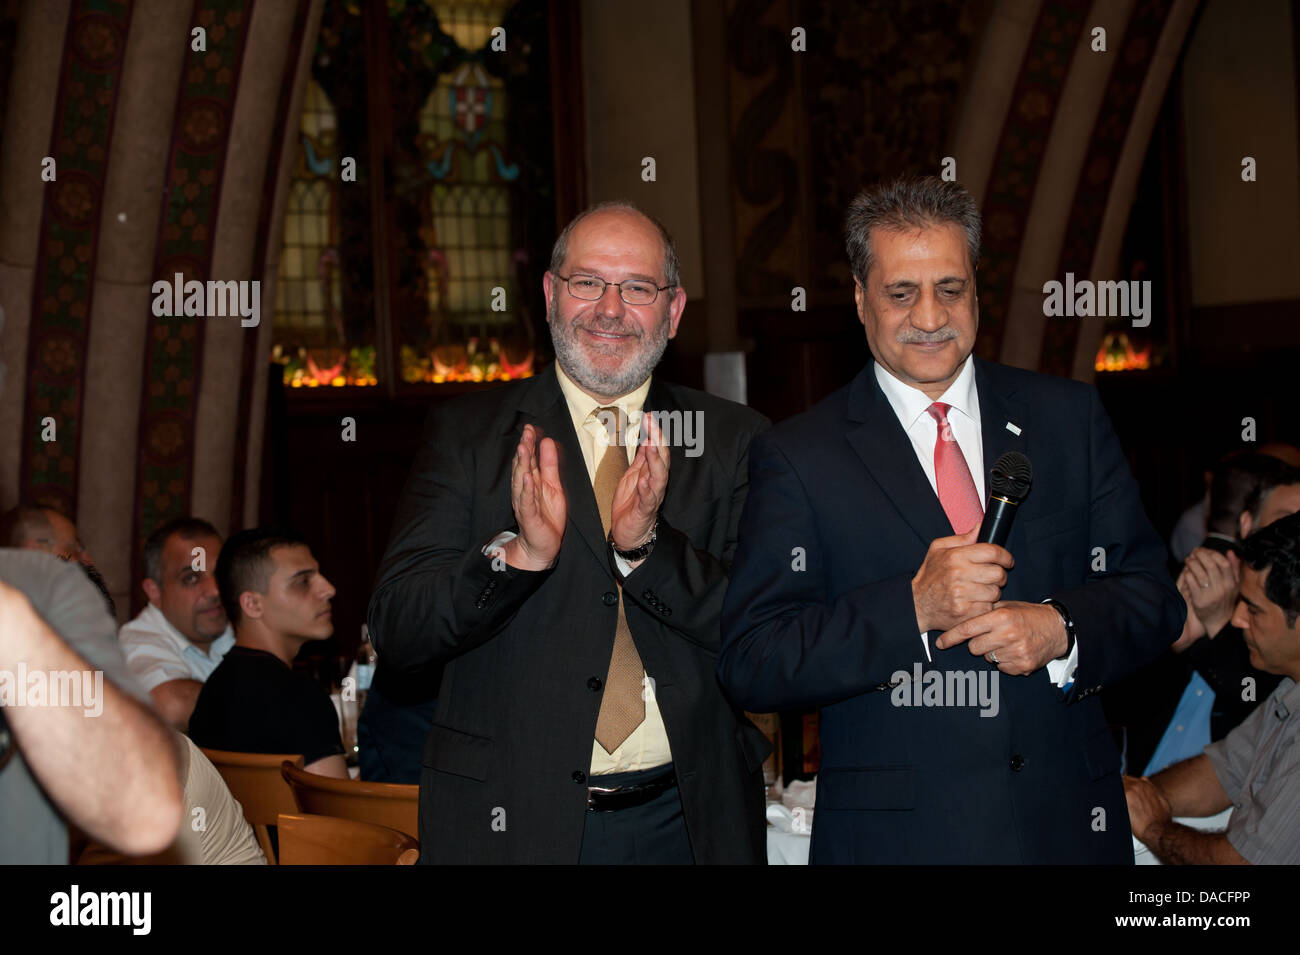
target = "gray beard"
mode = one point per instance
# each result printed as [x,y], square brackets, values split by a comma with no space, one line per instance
[627,379]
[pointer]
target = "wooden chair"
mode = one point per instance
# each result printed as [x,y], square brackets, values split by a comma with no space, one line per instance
[256,782]
[395,805]
[325,840]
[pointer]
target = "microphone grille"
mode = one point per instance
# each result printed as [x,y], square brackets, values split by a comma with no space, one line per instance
[1011,477]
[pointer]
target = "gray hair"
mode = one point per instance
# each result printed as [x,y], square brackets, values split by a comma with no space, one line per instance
[672,267]
[906,204]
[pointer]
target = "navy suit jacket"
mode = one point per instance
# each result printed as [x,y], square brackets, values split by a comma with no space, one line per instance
[819,612]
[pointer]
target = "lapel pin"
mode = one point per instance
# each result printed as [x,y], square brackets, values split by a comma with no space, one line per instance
[1013,428]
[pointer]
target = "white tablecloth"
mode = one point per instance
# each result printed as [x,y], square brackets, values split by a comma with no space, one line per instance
[789,832]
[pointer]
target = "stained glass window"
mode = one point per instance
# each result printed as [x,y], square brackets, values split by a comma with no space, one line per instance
[310,339]
[469,274]
[436,250]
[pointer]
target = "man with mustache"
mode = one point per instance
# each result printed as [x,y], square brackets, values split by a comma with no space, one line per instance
[566,560]
[893,614]
[182,634]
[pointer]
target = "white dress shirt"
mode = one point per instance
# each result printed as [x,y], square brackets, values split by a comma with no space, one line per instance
[157,653]
[911,406]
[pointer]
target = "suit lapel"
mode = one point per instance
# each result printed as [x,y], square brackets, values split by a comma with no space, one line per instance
[545,407]
[999,407]
[885,449]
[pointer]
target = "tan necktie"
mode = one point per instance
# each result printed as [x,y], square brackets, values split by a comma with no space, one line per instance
[622,709]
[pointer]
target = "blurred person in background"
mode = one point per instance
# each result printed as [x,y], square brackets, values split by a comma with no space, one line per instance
[1255,768]
[105,764]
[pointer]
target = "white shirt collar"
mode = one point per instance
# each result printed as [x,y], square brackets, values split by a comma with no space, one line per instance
[909,402]
[181,643]
[582,406]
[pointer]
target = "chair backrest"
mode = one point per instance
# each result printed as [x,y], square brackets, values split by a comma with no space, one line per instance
[255,780]
[325,840]
[395,805]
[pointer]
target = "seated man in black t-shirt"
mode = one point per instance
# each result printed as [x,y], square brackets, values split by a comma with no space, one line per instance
[254,702]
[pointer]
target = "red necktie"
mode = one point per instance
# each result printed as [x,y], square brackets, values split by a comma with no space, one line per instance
[952,476]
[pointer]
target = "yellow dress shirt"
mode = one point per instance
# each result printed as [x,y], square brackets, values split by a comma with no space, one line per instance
[647,747]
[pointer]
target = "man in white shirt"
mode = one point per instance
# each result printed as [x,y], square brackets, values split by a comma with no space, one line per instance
[956,679]
[176,642]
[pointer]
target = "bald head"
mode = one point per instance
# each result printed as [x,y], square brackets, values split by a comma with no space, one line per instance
[618,211]
[42,528]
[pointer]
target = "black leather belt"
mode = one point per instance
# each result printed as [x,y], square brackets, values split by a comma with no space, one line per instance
[625,797]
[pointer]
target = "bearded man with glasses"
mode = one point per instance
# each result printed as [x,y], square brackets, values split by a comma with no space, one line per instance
[566,561]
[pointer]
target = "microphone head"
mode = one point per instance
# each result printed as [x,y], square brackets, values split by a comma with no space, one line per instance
[1011,477]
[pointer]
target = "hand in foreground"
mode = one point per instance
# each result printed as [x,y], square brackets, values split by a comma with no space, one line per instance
[537,495]
[1147,806]
[641,489]
[958,579]
[1193,629]
[1025,637]
[1214,580]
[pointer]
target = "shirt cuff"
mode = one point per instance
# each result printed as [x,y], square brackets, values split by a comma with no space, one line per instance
[624,568]
[505,537]
[1061,672]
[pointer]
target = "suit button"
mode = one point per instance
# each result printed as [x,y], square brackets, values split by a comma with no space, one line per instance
[1017,763]
[649,596]
[666,611]
[609,597]
[594,684]
[579,776]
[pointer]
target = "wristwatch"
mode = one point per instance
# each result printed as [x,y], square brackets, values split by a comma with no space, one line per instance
[1069,625]
[637,553]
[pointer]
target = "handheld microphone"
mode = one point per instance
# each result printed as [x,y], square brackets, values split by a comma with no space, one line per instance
[1009,483]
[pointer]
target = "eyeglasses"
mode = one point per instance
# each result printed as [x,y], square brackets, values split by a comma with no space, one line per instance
[590,288]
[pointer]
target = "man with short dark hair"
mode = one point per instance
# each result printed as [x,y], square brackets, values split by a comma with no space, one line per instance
[1205,685]
[859,586]
[1235,480]
[182,634]
[1256,768]
[255,702]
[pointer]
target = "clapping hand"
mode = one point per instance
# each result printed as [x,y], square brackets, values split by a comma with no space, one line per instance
[1213,580]
[640,490]
[537,495]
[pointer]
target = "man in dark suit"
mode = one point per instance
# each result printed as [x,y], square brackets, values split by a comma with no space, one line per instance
[574,594]
[958,716]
